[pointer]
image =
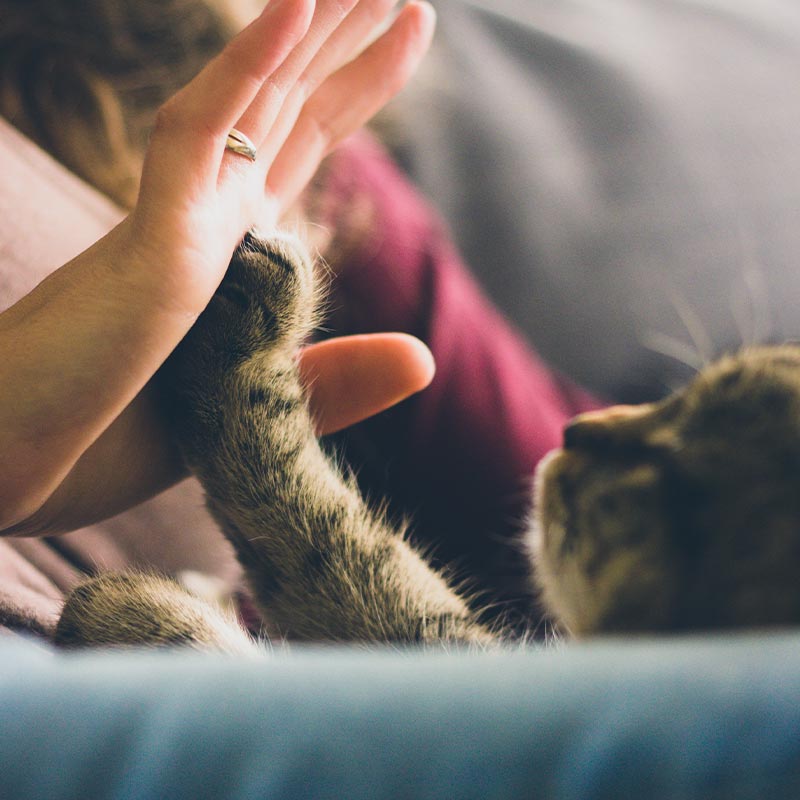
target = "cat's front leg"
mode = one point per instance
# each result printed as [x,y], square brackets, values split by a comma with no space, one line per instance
[142,610]
[322,565]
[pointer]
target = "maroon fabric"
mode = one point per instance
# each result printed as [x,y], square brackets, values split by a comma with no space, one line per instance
[459,456]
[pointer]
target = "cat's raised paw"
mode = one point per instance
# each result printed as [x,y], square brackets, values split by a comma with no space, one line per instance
[269,291]
[251,329]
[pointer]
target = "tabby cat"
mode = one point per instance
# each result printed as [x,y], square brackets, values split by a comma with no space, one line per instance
[681,514]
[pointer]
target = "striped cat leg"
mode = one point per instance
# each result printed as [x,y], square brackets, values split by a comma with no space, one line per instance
[321,564]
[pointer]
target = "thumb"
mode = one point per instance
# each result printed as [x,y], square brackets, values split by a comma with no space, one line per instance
[352,378]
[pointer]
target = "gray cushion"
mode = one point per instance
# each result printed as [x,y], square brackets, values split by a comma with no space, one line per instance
[623,175]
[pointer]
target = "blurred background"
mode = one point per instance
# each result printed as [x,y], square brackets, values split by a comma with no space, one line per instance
[622,175]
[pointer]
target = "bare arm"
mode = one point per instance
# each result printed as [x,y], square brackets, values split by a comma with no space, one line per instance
[80,434]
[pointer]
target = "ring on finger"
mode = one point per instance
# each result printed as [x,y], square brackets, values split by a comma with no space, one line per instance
[240,144]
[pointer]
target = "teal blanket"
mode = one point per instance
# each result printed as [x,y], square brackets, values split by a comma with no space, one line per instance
[684,718]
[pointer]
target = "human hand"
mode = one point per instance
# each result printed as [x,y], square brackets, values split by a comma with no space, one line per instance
[295,100]
[74,445]
[349,379]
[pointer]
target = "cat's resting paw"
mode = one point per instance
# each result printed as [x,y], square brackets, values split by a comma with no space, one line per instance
[143,610]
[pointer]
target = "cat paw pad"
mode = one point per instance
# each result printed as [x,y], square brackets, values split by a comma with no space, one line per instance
[270,283]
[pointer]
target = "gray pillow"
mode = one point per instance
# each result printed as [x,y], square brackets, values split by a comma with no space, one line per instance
[622,175]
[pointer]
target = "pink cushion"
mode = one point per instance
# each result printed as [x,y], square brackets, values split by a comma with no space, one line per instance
[47,216]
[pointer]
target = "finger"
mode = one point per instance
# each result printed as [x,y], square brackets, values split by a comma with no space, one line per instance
[349,98]
[259,117]
[348,39]
[189,136]
[342,45]
[355,377]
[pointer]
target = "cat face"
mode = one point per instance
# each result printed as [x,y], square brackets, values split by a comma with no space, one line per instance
[679,514]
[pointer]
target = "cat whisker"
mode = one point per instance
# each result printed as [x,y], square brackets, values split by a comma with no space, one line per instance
[750,305]
[674,348]
[756,284]
[702,341]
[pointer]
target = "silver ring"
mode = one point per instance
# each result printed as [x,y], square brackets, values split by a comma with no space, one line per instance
[238,143]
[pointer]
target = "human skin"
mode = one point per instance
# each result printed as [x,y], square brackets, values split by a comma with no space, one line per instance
[81,435]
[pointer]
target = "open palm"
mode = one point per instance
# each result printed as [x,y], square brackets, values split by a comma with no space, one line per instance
[296,81]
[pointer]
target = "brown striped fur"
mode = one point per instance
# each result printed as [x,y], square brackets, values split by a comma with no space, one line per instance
[682,514]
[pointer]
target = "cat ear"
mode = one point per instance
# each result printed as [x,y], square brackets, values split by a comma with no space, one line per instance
[621,426]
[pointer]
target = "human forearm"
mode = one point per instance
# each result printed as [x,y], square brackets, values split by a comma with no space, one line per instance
[131,461]
[77,351]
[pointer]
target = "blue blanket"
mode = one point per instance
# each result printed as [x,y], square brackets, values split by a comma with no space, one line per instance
[684,718]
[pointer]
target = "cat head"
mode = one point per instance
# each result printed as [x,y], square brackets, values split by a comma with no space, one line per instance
[682,514]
